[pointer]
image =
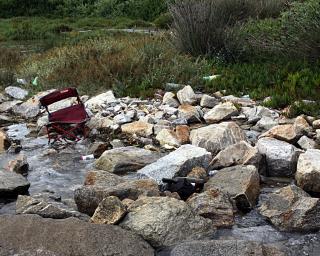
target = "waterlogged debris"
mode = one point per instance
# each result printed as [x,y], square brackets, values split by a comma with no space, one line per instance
[17,131]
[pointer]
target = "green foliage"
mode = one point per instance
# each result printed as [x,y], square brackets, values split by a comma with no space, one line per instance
[295,34]
[202,27]
[164,21]
[284,81]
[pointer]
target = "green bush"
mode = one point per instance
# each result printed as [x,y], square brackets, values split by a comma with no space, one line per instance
[283,80]
[203,27]
[296,34]
[164,21]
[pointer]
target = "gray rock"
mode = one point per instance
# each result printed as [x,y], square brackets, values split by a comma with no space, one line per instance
[187,95]
[17,131]
[241,183]
[308,171]
[281,157]
[174,87]
[224,248]
[122,119]
[266,123]
[168,110]
[88,198]
[102,178]
[16,92]
[256,113]
[110,211]
[306,143]
[44,207]
[214,205]
[190,113]
[12,184]
[125,159]
[221,112]
[239,153]
[26,110]
[169,99]
[164,221]
[31,235]
[100,101]
[99,122]
[177,163]
[208,101]
[8,105]
[291,209]
[217,137]
[168,137]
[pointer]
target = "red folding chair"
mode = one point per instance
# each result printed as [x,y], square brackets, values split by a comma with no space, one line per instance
[66,123]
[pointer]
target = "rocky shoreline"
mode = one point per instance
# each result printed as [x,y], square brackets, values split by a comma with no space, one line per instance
[252,160]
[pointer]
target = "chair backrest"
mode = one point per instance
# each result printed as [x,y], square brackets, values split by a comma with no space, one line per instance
[58,95]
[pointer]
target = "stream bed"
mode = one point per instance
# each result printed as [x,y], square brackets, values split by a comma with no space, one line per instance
[60,172]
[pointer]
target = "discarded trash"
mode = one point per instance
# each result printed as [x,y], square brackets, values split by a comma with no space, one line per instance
[22,81]
[210,78]
[184,186]
[87,157]
[212,173]
[35,81]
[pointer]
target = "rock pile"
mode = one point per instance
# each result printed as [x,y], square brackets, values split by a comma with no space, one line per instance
[228,142]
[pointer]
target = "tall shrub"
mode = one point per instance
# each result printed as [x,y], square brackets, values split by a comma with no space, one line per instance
[203,26]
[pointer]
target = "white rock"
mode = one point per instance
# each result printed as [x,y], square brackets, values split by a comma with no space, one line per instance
[168,137]
[187,95]
[16,92]
[96,103]
[308,171]
[122,119]
[217,137]
[169,99]
[178,163]
[306,143]
[221,112]
[281,157]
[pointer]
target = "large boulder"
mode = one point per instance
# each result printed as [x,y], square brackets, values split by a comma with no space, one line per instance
[12,184]
[216,137]
[291,209]
[110,211]
[223,111]
[308,170]
[88,198]
[125,159]
[225,248]
[177,163]
[187,95]
[256,113]
[164,221]
[44,207]
[214,205]
[33,236]
[26,109]
[239,153]
[139,128]
[8,105]
[280,156]
[241,183]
